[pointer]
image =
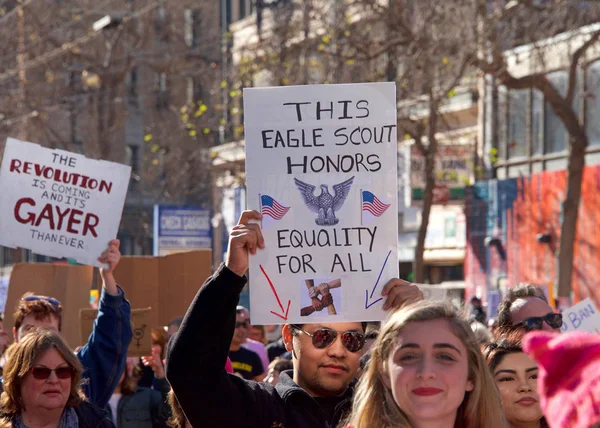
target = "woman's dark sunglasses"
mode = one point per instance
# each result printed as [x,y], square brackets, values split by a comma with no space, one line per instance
[43,373]
[536,323]
[353,341]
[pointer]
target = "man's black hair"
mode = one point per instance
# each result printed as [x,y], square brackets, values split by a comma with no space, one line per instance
[521,291]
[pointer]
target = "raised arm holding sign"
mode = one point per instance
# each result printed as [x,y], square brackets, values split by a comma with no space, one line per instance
[326,354]
[63,204]
[308,237]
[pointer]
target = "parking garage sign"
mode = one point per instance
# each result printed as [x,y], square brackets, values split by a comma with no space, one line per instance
[180,228]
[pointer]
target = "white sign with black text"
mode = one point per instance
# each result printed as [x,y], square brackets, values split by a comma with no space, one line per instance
[321,167]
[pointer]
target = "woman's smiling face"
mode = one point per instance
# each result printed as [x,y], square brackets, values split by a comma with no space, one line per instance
[428,372]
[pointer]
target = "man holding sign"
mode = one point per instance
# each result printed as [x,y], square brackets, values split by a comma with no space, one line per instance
[317,393]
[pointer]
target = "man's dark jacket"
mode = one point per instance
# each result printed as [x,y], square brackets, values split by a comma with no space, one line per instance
[208,395]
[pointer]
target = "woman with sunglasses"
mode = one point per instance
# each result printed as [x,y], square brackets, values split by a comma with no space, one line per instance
[426,370]
[548,322]
[42,386]
[516,376]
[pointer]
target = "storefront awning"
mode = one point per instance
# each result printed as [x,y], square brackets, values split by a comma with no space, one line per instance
[444,256]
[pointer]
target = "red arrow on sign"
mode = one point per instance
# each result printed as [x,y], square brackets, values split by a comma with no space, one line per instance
[283,317]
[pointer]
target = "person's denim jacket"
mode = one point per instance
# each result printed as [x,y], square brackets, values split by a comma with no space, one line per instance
[104,356]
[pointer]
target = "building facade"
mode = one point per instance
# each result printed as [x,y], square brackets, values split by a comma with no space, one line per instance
[141,89]
[514,219]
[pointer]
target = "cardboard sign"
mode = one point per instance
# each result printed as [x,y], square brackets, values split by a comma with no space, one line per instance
[140,346]
[321,167]
[166,284]
[583,316]
[69,284]
[59,204]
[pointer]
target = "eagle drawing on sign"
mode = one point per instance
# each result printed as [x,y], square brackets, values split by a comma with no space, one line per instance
[326,204]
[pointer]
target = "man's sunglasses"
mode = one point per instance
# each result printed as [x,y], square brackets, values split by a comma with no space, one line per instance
[43,373]
[50,300]
[353,341]
[536,323]
[241,324]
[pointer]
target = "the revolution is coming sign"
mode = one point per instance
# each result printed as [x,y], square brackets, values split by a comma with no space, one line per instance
[58,203]
[321,167]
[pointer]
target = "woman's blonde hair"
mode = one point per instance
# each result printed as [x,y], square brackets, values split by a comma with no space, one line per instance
[23,357]
[375,407]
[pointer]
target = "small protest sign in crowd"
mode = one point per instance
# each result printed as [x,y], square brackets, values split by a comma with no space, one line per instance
[332,337]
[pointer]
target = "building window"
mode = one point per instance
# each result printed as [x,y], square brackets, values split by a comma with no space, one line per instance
[537,123]
[194,91]
[555,133]
[133,82]
[133,158]
[160,17]
[162,95]
[501,129]
[592,104]
[192,28]
[188,27]
[189,90]
[226,11]
[517,123]
[242,9]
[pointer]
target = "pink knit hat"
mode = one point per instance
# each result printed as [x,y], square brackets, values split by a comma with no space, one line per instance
[569,376]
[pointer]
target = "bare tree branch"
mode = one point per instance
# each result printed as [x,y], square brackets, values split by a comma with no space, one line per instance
[575,62]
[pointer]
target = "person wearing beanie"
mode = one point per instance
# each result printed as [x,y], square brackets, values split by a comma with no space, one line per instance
[568,378]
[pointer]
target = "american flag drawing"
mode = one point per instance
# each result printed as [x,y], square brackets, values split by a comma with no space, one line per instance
[272,208]
[371,204]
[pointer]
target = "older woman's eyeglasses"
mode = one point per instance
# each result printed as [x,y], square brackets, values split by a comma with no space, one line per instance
[43,373]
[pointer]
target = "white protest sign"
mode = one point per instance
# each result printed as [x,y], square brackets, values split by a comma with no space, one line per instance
[58,203]
[583,316]
[321,167]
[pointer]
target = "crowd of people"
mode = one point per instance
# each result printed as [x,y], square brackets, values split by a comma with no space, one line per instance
[427,365]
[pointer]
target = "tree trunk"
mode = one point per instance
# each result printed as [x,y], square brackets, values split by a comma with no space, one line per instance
[429,154]
[419,264]
[570,208]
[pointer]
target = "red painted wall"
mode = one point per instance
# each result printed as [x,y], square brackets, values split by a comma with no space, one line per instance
[517,210]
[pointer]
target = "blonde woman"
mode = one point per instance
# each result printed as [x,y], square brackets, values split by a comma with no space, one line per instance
[427,370]
[42,386]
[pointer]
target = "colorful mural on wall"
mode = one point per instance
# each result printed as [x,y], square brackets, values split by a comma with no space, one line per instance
[513,230]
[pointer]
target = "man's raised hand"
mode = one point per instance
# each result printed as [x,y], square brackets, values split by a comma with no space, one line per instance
[245,239]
